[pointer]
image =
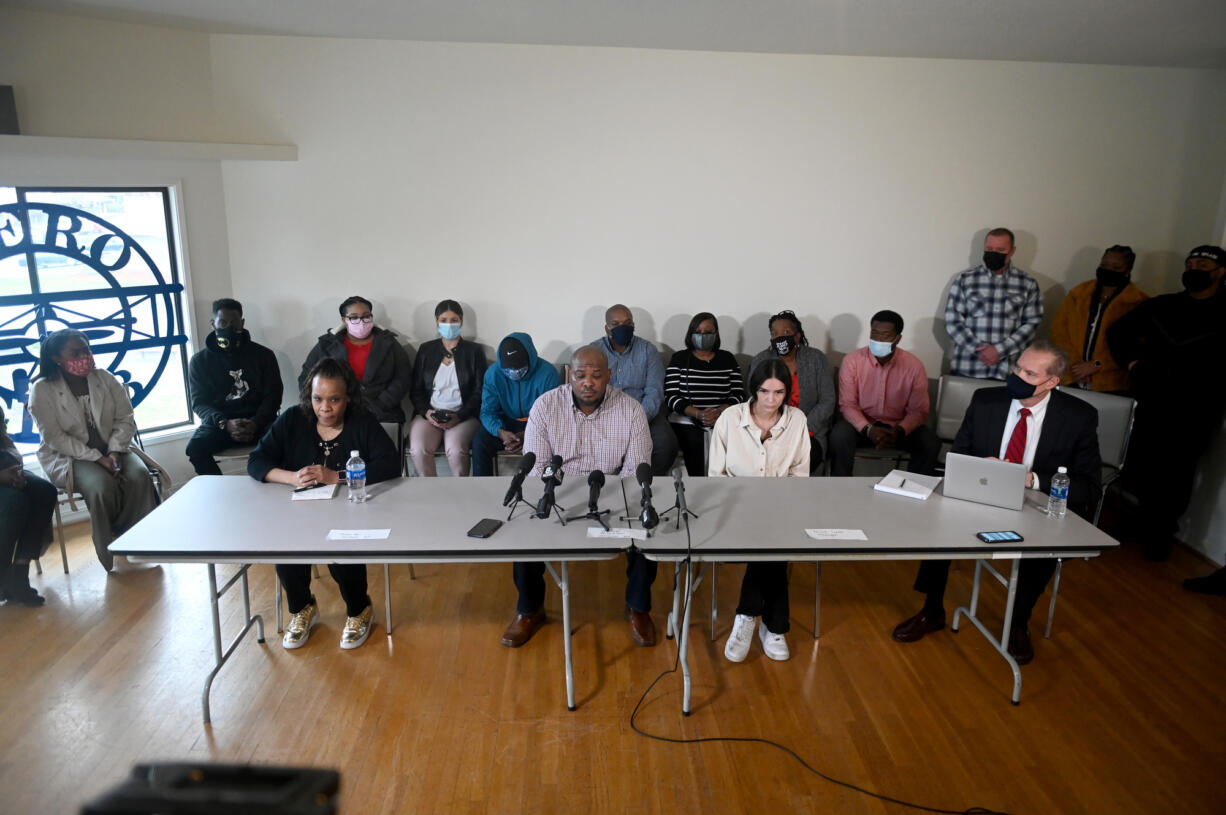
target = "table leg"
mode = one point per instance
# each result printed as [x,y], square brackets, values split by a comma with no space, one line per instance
[670,625]
[387,595]
[817,599]
[1000,645]
[219,655]
[684,639]
[564,585]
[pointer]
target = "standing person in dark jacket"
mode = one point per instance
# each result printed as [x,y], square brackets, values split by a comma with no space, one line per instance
[447,380]
[512,384]
[235,386]
[309,444]
[1170,344]
[372,353]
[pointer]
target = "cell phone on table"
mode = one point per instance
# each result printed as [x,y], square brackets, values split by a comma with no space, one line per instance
[999,537]
[484,528]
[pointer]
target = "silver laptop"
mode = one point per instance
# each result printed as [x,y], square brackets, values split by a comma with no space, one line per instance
[985,481]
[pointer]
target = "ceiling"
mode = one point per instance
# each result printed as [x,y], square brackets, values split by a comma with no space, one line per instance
[1176,33]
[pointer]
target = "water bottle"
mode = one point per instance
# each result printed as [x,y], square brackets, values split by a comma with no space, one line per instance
[1057,501]
[355,473]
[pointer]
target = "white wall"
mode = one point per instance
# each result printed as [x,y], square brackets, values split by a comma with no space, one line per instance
[538,185]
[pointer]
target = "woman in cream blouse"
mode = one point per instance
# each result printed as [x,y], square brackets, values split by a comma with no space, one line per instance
[765,437]
[85,419]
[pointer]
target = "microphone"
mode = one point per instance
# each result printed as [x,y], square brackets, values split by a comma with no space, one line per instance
[595,480]
[679,486]
[517,482]
[552,476]
[649,518]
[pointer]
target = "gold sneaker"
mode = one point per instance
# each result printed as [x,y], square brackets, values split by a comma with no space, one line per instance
[299,627]
[357,629]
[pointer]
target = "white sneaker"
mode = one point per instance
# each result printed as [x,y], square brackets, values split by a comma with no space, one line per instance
[299,628]
[737,647]
[775,645]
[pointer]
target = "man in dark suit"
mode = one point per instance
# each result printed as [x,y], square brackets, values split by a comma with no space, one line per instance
[1029,422]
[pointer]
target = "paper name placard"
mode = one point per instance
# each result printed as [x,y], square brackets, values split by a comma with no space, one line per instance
[837,534]
[358,534]
[620,532]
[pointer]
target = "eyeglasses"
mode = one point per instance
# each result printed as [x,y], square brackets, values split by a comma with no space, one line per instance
[369,318]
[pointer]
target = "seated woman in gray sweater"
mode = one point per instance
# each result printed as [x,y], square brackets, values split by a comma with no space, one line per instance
[812,383]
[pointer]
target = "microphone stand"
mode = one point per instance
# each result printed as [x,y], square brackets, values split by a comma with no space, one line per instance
[593,515]
[558,509]
[679,505]
[519,499]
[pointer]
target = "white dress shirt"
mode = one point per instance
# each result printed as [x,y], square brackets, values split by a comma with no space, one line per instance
[737,448]
[1034,426]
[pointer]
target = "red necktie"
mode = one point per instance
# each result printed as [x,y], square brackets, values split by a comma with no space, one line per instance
[1016,450]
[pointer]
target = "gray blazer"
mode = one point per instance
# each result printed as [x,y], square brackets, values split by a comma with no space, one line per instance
[817,397]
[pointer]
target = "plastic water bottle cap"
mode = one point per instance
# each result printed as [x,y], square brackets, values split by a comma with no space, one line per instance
[354,454]
[1058,469]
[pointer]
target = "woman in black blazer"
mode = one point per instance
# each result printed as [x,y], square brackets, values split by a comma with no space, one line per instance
[446,394]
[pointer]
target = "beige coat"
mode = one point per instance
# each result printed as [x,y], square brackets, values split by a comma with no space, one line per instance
[65,435]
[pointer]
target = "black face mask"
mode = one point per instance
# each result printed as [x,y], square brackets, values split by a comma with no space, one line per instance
[784,345]
[995,260]
[1195,280]
[1110,277]
[228,338]
[1018,388]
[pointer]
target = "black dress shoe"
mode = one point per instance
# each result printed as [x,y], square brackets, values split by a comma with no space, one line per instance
[914,628]
[1209,584]
[1019,645]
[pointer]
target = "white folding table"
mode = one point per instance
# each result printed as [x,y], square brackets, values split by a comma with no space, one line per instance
[233,519]
[743,519]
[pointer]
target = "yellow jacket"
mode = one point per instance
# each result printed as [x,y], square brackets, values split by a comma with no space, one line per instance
[1069,332]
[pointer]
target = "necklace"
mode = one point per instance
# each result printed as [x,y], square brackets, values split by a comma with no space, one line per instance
[328,446]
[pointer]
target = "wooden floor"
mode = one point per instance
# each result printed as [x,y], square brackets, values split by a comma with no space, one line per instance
[1121,711]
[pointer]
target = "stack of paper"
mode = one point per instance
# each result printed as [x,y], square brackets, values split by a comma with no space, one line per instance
[908,484]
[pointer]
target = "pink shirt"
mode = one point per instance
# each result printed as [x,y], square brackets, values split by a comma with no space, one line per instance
[895,393]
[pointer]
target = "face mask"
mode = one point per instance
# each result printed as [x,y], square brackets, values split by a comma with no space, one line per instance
[358,329]
[784,345]
[78,366]
[1197,279]
[880,349]
[995,260]
[227,338]
[515,374]
[1109,277]
[621,334]
[449,331]
[704,342]
[1018,388]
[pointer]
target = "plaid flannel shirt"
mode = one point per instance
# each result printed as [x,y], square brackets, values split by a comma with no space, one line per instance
[613,439]
[988,309]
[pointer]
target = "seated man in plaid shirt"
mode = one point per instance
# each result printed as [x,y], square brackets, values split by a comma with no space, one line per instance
[992,311]
[592,426]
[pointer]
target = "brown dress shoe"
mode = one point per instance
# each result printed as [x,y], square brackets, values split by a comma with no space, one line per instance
[642,629]
[1019,645]
[522,628]
[914,628]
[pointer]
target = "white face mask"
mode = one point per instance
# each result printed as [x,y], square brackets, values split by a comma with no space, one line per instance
[880,349]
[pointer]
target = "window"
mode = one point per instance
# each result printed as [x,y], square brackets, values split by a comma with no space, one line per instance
[103,261]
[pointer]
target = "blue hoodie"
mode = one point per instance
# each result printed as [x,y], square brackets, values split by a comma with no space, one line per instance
[503,401]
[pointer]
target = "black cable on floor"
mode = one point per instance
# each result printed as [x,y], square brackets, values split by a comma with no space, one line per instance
[976,810]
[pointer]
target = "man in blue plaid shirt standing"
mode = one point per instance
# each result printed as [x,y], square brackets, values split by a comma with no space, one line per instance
[992,311]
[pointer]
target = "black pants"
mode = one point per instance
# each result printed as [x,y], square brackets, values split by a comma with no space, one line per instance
[922,445]
[640,574]
[692,440]
[764,593]
[350,577]
[1161,468]
[1031,581]
[25,520]
[815,455]
[663,443]
[486,446]
[205,443]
